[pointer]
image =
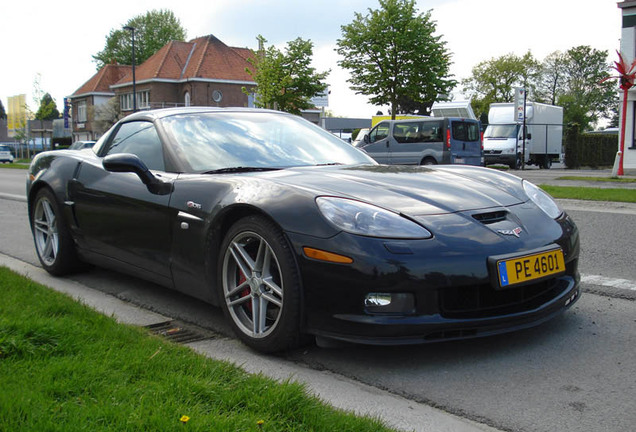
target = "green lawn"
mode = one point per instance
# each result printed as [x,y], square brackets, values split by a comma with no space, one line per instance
[14,165]
[592,194]
[65,367]
[599,179]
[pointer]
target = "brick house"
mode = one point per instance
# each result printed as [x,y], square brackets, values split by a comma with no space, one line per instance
[94,93]
[203,71]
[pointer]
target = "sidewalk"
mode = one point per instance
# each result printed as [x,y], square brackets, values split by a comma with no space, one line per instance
[552,177]
[338,391]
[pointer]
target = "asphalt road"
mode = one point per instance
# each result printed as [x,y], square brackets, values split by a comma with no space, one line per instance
[574,373]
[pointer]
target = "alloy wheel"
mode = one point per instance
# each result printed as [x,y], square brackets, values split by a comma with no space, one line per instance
[45,231]
[252,285]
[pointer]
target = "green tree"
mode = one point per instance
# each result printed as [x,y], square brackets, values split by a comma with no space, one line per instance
[552,78]
[394,57]
[584,99]
[48,109]
[285,80]
[105,115]
[152,31]
[494,80]
[3,113]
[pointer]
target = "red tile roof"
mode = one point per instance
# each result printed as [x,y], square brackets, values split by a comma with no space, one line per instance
[102,80]
[205,57]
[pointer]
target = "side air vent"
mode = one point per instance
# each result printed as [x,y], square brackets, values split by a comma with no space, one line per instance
[491,217]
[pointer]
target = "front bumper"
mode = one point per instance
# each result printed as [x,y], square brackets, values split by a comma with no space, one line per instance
[450,282]
[504,159]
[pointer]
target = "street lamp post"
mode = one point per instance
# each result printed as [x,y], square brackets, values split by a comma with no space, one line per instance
[132,33]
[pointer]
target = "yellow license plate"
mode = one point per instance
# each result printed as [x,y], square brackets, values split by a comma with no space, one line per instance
[516,270]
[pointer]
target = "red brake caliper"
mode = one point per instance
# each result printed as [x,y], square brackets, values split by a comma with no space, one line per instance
[246,291]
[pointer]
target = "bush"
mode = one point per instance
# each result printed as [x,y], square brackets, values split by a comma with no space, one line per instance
[590,150]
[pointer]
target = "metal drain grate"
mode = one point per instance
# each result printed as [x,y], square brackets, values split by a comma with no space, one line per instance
[176,332]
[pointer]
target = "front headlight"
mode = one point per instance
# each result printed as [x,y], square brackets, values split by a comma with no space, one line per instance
[365,219]
[542,200]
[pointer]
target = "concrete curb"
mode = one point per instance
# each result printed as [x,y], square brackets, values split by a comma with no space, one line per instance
[339,391]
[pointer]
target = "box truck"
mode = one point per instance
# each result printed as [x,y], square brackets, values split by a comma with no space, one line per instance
[504,141]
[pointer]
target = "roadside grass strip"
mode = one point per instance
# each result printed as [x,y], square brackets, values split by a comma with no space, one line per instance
[599,179]
[592,194]
[14,166]
[65,367]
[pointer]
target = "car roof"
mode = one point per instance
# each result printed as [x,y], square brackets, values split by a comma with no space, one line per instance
[167,112]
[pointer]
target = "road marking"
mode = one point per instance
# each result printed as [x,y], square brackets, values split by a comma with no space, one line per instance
[12,197]
[609,282]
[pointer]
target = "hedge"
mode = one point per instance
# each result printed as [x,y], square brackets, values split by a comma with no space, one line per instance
[589,150]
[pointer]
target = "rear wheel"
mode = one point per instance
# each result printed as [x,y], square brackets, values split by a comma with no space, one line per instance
[428,161]
[260,285]
[53,242]
[546,163]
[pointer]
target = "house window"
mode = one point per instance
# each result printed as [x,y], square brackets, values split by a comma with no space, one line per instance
[187,98]
[126,102]
[81,111]
[143,100]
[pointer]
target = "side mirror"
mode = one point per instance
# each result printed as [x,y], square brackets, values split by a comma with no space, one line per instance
[127,162]
[366,138]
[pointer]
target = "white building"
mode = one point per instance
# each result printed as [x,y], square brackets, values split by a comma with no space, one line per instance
[628,51]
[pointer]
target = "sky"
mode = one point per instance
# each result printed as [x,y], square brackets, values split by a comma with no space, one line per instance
[53,42]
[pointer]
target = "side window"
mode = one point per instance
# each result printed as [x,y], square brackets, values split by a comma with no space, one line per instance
[399,132]
[139,138]
[431,131]
[465,131]
[381,131]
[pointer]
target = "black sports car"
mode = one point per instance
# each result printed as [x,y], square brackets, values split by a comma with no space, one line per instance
[292,231]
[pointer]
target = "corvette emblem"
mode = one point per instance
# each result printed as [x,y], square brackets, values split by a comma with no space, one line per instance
[513,232]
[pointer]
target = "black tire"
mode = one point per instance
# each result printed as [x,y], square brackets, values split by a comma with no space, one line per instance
[546,163]
[260,285]
[53,242]
[516,165]
[428,161]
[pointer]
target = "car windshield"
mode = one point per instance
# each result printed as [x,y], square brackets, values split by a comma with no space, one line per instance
[217,141]
[501,131]
[4,149]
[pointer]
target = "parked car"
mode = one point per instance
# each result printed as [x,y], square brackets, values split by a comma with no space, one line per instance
[425,141]
[79,145]
[291,231]
[5,154]
[360,137]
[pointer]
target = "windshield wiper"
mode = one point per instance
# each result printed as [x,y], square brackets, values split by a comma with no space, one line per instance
[328,164]
[239,169]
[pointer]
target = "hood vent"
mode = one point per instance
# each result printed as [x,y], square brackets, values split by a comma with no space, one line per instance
[491,217]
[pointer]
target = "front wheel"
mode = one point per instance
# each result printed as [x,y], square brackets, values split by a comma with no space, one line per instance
[53,242]
[260,285]
[516,165]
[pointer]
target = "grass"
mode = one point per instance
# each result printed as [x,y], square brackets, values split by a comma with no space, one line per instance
[65,367]
[14,165]
[599,179]
[592,194]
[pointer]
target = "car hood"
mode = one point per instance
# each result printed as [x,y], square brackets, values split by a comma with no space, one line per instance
[414,191]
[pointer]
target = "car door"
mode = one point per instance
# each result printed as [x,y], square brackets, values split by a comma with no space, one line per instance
[378,146]
[465,142]
[117,215]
